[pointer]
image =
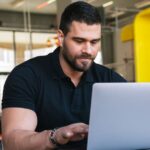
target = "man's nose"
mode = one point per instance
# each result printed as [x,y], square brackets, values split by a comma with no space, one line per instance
[87,48]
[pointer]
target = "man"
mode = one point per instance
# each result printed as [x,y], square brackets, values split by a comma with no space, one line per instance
[46,100]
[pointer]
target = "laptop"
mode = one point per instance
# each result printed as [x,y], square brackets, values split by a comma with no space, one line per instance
[120,117]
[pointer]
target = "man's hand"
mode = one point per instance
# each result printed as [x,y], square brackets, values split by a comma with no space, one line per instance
[73,132]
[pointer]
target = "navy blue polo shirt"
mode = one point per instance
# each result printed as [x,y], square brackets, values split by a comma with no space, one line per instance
[40,84]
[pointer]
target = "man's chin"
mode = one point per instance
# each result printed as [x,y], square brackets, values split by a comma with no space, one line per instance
[83,68]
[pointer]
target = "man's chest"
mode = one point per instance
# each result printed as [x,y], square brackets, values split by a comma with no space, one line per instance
[59,104]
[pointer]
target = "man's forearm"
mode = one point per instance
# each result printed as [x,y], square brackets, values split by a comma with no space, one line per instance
[30,140]
[27,140]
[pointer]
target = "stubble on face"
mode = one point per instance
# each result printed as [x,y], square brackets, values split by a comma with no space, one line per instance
[80,63]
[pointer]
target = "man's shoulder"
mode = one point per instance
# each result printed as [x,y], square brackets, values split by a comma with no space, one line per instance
[106,74]
[39,60]
[36,62]
[32,67]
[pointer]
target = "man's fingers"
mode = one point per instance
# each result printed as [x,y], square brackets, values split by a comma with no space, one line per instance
[73,132]
[67,134]
[80,129]
[63,135]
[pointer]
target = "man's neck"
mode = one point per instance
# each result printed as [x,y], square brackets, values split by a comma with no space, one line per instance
[75,77]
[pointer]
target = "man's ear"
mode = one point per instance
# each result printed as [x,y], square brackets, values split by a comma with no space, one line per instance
[60,37]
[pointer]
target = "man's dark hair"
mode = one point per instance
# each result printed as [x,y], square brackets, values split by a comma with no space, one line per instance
[79,11]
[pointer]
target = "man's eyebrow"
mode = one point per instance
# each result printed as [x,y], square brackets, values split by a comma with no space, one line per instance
[80,38]
[98,39]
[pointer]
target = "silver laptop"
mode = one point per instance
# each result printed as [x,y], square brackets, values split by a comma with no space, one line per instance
[120,116]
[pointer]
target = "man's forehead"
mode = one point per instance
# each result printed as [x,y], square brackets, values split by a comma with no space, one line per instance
[77,23]
[83,30]
[83,27]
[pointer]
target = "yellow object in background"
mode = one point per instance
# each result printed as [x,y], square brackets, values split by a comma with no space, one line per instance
[127,33]
[142,46]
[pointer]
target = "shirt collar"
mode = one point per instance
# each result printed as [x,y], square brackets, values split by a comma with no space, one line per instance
[88,76]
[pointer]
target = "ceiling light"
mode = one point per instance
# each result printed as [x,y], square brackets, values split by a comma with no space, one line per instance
[45,4]
[42,5]
[117,14]
[107,4]
[51,1]
[142,4]
[19,4]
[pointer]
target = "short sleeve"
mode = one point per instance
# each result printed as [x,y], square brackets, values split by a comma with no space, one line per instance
[20,89]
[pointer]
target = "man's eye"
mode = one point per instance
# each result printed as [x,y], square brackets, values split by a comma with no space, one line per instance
[79,41]
[94,42]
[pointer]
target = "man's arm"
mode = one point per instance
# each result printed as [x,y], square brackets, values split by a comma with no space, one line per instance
[18,125]
[18,131]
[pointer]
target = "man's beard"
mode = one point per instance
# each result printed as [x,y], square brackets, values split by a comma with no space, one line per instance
[72,62]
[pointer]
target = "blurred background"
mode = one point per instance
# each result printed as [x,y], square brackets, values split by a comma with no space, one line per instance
[28,29]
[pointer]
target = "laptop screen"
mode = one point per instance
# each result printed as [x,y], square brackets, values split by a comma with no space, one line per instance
[120,116]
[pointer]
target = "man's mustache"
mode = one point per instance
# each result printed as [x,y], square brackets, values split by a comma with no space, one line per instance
[85,56]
